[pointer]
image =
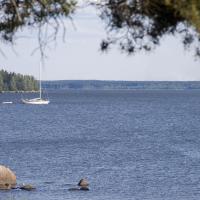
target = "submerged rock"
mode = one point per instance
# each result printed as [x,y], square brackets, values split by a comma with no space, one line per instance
[79,188]
[84,188]
[73,189]
[7,178]
[27,187]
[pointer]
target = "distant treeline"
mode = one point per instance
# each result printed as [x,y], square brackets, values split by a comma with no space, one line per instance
[10,81]
[121,85]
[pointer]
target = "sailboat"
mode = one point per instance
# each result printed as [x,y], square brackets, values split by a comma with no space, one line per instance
[39,100]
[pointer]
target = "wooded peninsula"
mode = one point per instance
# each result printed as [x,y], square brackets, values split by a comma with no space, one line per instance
[10,81]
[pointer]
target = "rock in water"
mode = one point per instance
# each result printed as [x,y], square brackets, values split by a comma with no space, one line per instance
[84,188]
[83,183]
[27,187]
[74,189]
[78,189]
[7,178]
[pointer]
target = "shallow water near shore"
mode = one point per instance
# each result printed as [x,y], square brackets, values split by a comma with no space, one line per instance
[133,144]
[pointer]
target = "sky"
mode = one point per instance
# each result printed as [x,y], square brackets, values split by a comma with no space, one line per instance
[80,58]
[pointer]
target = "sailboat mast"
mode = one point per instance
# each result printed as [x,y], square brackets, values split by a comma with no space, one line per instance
[40,81]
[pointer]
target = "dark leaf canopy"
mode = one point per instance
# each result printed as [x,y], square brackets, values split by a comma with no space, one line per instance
[15,14]
[133,25]
[137,25]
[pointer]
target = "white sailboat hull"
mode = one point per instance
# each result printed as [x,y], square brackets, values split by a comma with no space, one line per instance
[36,101]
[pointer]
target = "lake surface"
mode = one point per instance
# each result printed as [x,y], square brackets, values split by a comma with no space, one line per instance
[137,145]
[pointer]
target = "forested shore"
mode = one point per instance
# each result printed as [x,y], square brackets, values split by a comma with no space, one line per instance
[10,81]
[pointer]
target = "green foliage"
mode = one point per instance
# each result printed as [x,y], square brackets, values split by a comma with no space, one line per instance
[1,82]
[17,14]
[17,82]
[189,10]
[137,25]
[133,25]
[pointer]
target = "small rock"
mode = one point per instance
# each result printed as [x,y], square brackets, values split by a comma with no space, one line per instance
[83,183]
[27,187]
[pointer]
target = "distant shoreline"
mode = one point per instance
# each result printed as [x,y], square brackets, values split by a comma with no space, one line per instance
[20,91]
[120,85]
[86,85]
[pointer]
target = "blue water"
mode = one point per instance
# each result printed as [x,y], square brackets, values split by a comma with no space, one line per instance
[137,145]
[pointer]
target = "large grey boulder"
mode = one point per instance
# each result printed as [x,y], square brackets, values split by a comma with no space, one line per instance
[7,178]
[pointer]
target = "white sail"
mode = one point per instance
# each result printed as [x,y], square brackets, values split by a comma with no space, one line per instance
[37,101]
